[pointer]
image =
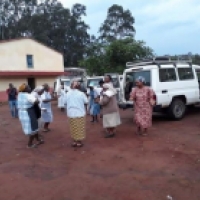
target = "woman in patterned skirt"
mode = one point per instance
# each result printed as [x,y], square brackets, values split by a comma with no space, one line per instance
[75,102]
[144,101]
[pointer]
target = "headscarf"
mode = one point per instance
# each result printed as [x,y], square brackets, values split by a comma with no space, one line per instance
[22,87]
[141,79]
[38,89]
[111,90]
[74,84]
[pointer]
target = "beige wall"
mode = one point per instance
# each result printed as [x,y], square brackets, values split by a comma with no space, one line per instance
[13,56]
[4,82]
[41,81]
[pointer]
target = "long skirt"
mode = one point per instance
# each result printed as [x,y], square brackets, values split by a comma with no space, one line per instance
[111,120]
[28,121]
[47,116]
[61,102]
[77,128]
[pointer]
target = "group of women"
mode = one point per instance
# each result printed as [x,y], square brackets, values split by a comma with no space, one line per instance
[36,105]
[34,110]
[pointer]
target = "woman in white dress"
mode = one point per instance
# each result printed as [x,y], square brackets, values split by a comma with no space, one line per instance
[28,115]
[61,94]
[37,92]
[46,111]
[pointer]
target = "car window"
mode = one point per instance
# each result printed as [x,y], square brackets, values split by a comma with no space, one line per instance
[198,74]
[115,82]
[67,83]
[132,76]
[95,82]
[167,75]
[185,73]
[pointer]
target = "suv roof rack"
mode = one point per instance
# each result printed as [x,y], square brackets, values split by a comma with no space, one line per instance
[162,60]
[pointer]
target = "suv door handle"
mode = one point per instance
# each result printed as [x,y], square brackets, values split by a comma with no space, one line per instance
[164,91]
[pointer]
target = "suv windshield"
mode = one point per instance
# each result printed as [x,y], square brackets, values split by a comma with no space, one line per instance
[95,82]
[132,76]
[67,83]
[115,82]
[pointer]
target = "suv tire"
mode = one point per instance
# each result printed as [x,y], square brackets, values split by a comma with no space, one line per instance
[177,109]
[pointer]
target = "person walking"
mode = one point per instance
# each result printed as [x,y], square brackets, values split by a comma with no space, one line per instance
[111,117]
[12,100]
[144,101]
[75,102]
[46,111]
[94,105]
[37,92]
[61,94]
[27,115]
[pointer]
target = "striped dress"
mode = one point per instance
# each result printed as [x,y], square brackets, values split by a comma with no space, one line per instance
[28,119]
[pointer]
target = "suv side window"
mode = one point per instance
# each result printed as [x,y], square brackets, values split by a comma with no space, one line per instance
[167,75]
[198,74]
[185,73]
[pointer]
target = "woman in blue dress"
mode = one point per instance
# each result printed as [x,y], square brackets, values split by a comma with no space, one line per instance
[94,105]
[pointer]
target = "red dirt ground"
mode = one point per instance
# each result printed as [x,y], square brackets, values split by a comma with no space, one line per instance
[128,167]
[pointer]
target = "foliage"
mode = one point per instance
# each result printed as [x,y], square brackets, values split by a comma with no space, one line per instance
[117,25]
[48,22]
[113,57]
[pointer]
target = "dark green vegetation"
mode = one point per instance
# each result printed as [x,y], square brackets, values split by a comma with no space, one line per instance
[65,30]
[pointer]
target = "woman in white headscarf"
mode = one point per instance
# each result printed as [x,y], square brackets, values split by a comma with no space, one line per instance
[61,94]
[111,117]
[37,92]
[75,102]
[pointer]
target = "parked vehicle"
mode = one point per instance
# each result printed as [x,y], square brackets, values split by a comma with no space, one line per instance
[116,83]
[94,80]
[70,73]
[175,83]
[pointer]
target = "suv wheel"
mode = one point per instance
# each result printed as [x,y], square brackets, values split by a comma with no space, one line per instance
[177,109]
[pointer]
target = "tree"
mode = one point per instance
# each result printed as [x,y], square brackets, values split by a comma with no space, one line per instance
[118,24]
[113,57]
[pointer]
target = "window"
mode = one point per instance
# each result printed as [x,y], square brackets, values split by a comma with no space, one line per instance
[29,60]
[185,73]
[66,83]
[167,75]
[115,82]
[198,74]
[132,76]
[95,82]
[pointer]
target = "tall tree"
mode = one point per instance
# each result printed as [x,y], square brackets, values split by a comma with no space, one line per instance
[118,24]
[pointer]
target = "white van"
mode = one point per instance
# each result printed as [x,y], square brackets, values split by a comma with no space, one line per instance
[95,81]
[175,83]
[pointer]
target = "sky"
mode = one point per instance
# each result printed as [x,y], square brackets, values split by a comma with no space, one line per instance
[167,26]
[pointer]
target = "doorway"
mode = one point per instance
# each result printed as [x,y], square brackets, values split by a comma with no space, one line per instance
[31,83]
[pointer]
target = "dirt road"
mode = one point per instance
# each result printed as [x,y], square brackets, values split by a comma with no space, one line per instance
[164,165]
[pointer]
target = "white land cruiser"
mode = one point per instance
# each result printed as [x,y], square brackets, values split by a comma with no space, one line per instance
[175,83]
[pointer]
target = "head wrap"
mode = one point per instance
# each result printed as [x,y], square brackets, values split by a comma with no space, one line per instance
[74,84]
[38,89]
[141,79]
[22,87]
[111,90]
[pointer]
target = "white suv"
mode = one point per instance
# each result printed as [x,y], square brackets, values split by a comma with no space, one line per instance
[175,83]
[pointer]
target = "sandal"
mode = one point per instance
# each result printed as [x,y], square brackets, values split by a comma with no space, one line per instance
[79,144]
[40,142]
[144,134]
[32,146]
[74,144]
[109,135]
